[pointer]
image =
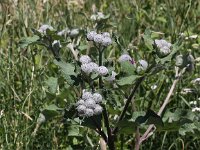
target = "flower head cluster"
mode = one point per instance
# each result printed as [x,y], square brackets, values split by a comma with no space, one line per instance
[102,39]
[163,47]
[44,27]
[89,104]
[88,66]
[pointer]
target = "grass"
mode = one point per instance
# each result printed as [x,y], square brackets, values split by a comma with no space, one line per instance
[23,71]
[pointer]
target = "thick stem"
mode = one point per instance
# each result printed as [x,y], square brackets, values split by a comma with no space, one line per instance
[139,81]
[110,140]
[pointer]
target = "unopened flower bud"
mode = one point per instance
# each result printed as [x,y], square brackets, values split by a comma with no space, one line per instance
[98,110]
[80,102]
[91,35]
[144,64]
[44,27]
[89,112]
[41,119]
[106,41]
[90,103]
[81,108]
[124,57]
[85,59]
[98,38]
[102,70]
[86,95]
[106,34]
[97,97]
[86,68]
[93,66]
[163,47]
[179,60]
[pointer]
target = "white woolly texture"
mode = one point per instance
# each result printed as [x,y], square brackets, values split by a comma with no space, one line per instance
[106,41]
[102,71]
[106,34]
[124,57]
[86,95]
[63,32]
[97,97]
[86,68]
[163,46]
[44,27]
[90,103]
[91,35]
[89,112]
[196,109]
[144,64]
[100,16]
[98,110]
[93,66]
[80,102]
[85,59]
[98,38]
[81,108]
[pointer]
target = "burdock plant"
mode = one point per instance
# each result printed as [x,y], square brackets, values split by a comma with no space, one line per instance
[100,90]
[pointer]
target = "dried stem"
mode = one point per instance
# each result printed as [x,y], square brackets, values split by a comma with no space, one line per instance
[149,131]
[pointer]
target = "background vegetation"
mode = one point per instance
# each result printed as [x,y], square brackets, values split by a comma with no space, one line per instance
[23,71]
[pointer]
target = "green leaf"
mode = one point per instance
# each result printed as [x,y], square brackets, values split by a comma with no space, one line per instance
[128,67]
[92,122]
[73,130]
[150,118]
[51,111]
[148,40]
[26,41]
[127,80]
[67,68]
[52,83]
[127,127]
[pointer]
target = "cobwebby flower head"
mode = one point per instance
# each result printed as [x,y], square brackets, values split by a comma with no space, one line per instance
[93,66]
[89,112]
[44,27]
[163,46]
[80,102]
[143,63]
[86,68]
[125,57]
[91,35]
[98,110]
[98,38]
[86,95]
[85,59]
[81,109]
[90,103]
[97,97]
[102,70]
[106,34]
[106,41]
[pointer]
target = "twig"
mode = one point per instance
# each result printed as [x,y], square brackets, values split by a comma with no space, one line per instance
[148,132]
